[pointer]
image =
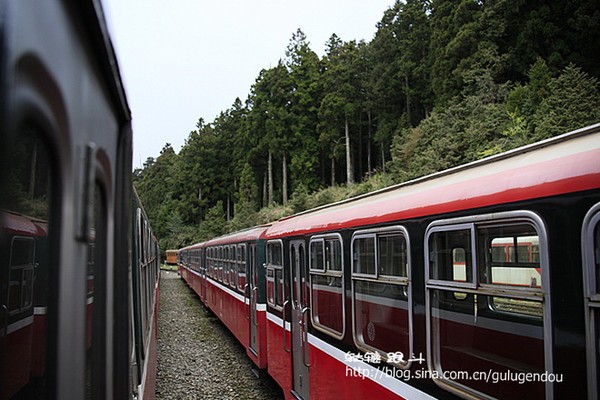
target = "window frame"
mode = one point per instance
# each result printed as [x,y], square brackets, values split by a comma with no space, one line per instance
[327,272]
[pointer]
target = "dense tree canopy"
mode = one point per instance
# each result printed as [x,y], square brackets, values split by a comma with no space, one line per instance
[441,83]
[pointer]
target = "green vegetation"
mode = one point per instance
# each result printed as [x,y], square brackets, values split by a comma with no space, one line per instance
[441,84]
[167,267]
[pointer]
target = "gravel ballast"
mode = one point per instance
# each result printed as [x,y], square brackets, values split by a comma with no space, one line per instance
[198,358]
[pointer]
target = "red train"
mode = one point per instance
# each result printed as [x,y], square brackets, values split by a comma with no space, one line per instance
[78,261]
[482,281]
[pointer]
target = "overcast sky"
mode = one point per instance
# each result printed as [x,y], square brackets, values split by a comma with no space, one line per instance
[182,60]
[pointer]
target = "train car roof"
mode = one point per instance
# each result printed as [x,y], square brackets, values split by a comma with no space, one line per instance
[564,164]
[192,246]
[246,235]
[15,223]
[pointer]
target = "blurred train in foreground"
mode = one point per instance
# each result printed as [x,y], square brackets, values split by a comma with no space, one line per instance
[478,282]
[78,261]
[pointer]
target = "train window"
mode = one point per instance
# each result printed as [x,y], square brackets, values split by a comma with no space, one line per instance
[220,264]
[209,271]
[241,261]
[511,255]
[382,320]
[392,255]
[333,248]
[20,283]
[363,255]
[317,258]
[279,287]
[326,285]
[450,257]
[226,265]
[231,265]
[274,253]
[234,270]
[274,268]
[485,278]
[271,287]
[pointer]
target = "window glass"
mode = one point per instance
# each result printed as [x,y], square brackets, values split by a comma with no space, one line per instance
[316,255]
[333,255]
[225,266]
[382,318]
[22,251]
[364,255]
[279,287]
[241,256]
[21,274]
[509,255]
[274,253]
[469,351]
[327,302]
[271,286]
[450,256]
[392,257]
[27,297]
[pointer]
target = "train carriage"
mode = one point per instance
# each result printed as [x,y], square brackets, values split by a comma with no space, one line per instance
[171,257]
[470,271]
[475,282]
[226,274]
[77,310]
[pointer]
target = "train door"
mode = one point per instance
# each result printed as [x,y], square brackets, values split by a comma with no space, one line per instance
[299,322]
[252,277]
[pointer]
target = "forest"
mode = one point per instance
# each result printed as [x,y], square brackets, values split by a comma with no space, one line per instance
[441,83]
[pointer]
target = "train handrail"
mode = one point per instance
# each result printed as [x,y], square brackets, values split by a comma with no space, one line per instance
[305,338]
[247,305]
[283,326]
[255,289]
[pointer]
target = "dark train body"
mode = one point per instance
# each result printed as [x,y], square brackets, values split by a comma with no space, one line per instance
[477,282]
[78,261]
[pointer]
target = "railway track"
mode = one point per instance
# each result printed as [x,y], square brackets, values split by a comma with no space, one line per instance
[198,358]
